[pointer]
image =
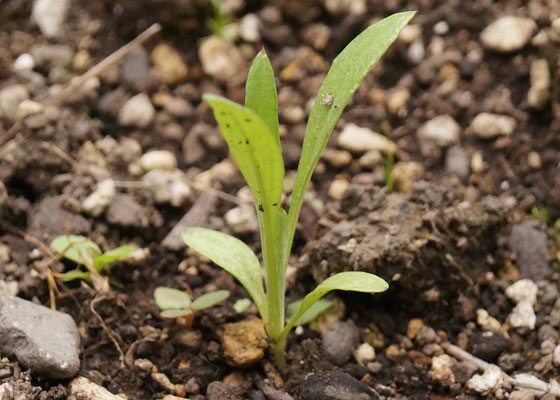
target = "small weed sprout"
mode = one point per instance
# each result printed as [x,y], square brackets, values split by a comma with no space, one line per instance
[178,304]
[85,252]
[219,21]
[251,132]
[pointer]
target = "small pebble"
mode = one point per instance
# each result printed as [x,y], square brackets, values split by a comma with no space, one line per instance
[441,28]
[96,203]
[556,355]
[364,353]
[457,162]
[426,335]
[486,321]
[359,140]
[49,16]
[539,93]
[523,317]
[531,250]
[508,33]
[410,33]
[523,290]
[414,326]
[137,111]
[487,383]
[339,342]
[158,160]
[250,28]
[10,98]
[337,189]
[169,64]
[242,220]
[442,130]
[165,187]
[477,162]
[397,100]
[405,173]
[534,160]
[24,62]
[490,126]
[83,388]
[442,371]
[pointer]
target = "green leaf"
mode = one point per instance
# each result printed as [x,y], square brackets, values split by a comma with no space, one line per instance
[260,93]
[168,298]
[347,71]
[100,262]
[255,149]
[175,313]
[355,281]
[232,255]
[76,274]
[210,299]
[75,248]
[242,305]
[313,312]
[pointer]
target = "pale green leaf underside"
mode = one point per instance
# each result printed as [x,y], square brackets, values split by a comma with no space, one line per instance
[76,274]
[260,93]
[169,298]
[232,255]
[355,281]
[210,299]
[255,149]
[75,248]
[175,313]
[347,71]
[242,305]
[313,312]
[107,258]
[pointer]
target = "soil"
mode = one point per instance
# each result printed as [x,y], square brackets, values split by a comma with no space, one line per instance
[444,245]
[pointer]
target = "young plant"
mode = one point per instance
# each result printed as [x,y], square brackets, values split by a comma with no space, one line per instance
[175,303]
[220,20]
[251,132]
[85,252]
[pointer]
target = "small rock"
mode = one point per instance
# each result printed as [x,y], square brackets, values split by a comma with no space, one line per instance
[81,60]
[534,160]
[509,361]
[442,371]
[364,353]
[27,108]
[163,160]
[96,203]
[8,288]
[124,210]
[426,335]
[416,52]
[486,321]
[548,346]
[530,247]
[43,340]
[242,220]
[337,189]
[410,33]
[49,16]
[51,55]
[487,345]
[457,162]
[414,326]
[539,92]
[463,371]
[523,317]
[179,108]
[250,28]
[83,388]
[335,386]
[405,173]
[221,59]
[137,111]
[224,391]
[10,98]
[359,140]
[293,114]
[556,355]
[244,342]
[394,353]
[547,332]
[370,159]
[169,63]
[508,33]
[339,342]
[397,100]
[521,395]
[317,35]
[441,28]
[337,158]
[487,383]
[523,290]
[477,162]
[165,187]
[441,130]
[189,338]
[489,126]
[24,62]
[135,69]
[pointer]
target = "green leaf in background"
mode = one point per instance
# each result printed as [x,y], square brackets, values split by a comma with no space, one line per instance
[232,255]
[169,299]
[175,313]
[355,281]
[75,248]
[209,299]
[313,312]
[102,261]
[76,274]
[260,93]
[347,71]
[255,149]
[242,305]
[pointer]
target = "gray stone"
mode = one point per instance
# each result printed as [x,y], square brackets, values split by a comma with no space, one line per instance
[335,386]
[441,130]
[490,126]
[223,391]
[135,69]
[530,247]
[10,98]
[457,162]
[51,55]
[426,335]
[49,16]
[125,211]
[339,342]
[43,340]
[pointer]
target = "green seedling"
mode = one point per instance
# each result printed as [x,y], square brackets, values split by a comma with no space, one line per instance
[177,304]
[220,19]
[251,132]
[85,252]
[242,305]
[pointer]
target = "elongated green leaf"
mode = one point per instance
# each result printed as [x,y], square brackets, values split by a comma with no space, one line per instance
[312,312]
[76,274]
[169,298]
[175,313]
[102,261]
[75,248]
[347,71]
[242,305]
[355,281]
[260,93]
[232,255]
[210,299]
[255,149]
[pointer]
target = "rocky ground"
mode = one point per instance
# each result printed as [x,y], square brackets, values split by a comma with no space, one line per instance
[468,239]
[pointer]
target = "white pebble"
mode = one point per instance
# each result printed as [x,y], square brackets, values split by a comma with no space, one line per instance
[49,16]
[523,317]
[242,220]
[556,355]
[359,140]
[488,382]
[443,130]
[137,111]
[24,62]
[250,28]
[158,159]
[508,33]
[442,371]
[165,187]
[441,28]
[96,203]
[364,353]
[523,290]
[489,126]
